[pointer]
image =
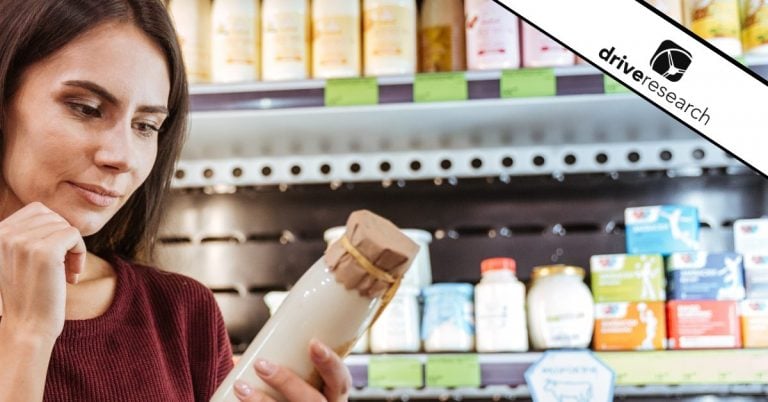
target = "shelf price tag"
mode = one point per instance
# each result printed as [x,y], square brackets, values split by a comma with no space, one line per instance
[453,371]
[611,86]
[528,82]
[395,372]
[440,87]
[351,91]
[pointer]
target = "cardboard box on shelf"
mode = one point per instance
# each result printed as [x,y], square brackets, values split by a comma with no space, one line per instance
[705,276]
[630,326]
[703,324]
[662,229]
[750,236]
[756,275]
[754,323]
[627,278]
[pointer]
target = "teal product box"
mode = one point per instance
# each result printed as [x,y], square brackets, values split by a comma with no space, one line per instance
[705,276]
[662,229]
[756,275]
[627,278]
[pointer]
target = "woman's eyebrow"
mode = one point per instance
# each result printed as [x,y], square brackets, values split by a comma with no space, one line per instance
[107,96]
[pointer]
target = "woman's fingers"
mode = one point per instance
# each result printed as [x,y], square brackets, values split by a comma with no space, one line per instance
[246,393]
[284,381]
[332,369]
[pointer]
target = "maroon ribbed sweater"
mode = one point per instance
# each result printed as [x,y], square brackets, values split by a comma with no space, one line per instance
[162,339]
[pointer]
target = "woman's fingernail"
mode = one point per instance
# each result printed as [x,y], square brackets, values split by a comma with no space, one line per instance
[265,368]
[319,351]
[242,388]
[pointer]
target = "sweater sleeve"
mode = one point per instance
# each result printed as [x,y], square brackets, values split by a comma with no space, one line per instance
[224,359]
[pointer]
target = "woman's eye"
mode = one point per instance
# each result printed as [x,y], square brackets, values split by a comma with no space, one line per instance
[146,129]
[85,110]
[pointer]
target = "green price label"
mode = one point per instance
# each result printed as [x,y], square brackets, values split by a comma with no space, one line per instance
[440,87]
[453,371]
[395,372]
[351,92]
[612,86]
[528,82]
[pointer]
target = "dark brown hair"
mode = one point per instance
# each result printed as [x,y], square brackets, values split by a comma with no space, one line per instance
[31,30]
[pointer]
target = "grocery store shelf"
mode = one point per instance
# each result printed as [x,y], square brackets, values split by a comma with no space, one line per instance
[658,373]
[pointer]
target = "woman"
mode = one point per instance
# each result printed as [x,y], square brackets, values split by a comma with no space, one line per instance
[93,112]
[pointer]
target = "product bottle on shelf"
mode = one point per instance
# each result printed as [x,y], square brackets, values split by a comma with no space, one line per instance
[448,324]
[336,43]
[192,19]
[235,41]
[754,15]
[500,322]
[716,21]
[285,40]
[441,34]
[397,329]
[539,50]
[493,36]
[672,8]
[389,36]
[561,310]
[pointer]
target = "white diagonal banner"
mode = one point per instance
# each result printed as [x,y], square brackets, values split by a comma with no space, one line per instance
[664,64]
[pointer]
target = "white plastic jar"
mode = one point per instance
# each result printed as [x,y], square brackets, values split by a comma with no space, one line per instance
[560,308]
[397,329]
[448,324]
[500,308]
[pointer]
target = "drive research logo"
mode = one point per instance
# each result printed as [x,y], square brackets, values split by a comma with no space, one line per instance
[671,60]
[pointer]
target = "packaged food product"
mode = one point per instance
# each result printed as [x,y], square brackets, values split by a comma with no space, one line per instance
[561,311]
[448,324]
[630,326]
[539,50]
[750,236]
[627,278]
[756,275]
[754,31]
[334,302]
[235,33]
[754,323]
[397,329]
[389,37]
[703,324]
[705,276]
[500,320]
[336,39]
[662,229]
[493,36]
[441,35]
[716,21]
[285,40]
[192,20]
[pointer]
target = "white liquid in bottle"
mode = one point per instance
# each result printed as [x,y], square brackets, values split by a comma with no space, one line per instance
[493,38]
[336,39]
[235,33]
[192,20]
[389,36]
[285,40]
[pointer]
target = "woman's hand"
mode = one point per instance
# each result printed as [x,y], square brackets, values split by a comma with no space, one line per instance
[336,378]
[39,252]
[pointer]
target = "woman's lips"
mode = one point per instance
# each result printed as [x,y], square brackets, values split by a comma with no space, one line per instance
[96,195]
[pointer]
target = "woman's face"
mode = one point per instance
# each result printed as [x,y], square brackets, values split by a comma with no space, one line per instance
[81,132]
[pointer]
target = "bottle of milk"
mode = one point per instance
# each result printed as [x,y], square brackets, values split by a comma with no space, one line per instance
[501,325]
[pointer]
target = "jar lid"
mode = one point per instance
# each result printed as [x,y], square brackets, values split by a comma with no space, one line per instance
[559,269]
[497,264]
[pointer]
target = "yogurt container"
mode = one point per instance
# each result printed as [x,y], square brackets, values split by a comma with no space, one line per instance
[705,276]
[448,324]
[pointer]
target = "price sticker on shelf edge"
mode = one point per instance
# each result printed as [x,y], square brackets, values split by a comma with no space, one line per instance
[440,87]
[528,82]
[351,91]
[570,376]
[453,371]
[395,372]
[611,86]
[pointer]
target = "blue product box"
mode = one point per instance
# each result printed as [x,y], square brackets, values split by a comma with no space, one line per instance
[662,229]
[705,276]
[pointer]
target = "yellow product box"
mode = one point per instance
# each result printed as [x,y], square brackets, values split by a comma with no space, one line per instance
[754,323]
[630,326]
